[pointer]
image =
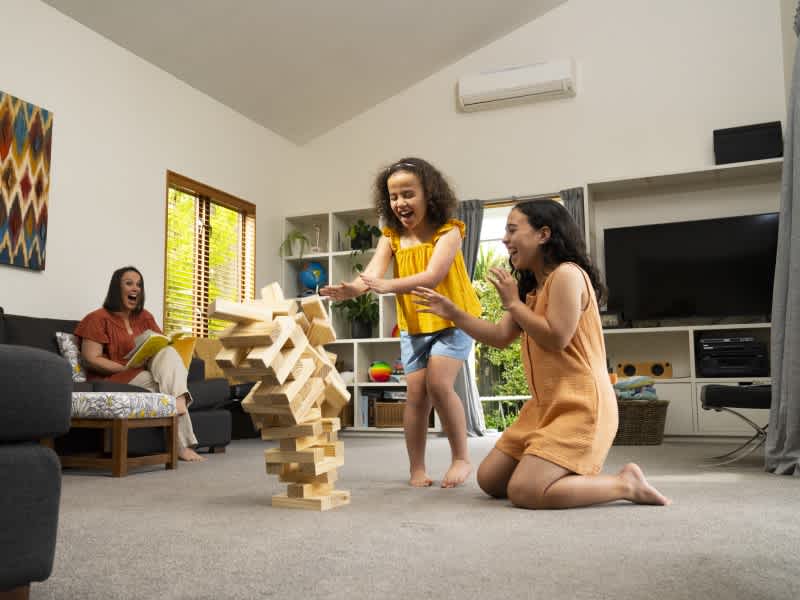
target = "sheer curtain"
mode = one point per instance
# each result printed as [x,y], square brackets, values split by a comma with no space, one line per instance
[782,455]
[471,212]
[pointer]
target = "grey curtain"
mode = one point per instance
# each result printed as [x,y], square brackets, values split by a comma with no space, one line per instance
[782,455]
[471,212]
[573,201]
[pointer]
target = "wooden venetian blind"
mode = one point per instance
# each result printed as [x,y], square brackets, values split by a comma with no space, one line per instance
[210,254]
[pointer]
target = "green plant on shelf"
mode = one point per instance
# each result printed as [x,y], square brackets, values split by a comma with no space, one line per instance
[361,234]
[295,244]
[361,312]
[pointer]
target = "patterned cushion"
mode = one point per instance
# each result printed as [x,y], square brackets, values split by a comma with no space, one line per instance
[68,346]
[121,405]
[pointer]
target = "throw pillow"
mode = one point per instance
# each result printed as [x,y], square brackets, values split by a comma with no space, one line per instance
[68,347]
[185,348]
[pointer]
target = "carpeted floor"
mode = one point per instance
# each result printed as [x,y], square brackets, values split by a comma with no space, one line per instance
[208,531]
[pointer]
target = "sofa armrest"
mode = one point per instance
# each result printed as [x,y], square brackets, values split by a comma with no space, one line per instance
[35,394]
[209,394]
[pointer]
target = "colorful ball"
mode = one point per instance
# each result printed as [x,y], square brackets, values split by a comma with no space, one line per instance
[379,371]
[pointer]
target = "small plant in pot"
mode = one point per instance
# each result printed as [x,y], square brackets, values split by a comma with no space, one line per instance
[295,244]
[361,312]
[361,234]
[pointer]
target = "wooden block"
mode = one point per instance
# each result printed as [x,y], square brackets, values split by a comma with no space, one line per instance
[313,307]
[298,377]
[336,393]
[329,410]
[280,361]
[280,308]
[307,456]
[319,503]
[206,349]
[272,292]
[320,332]
[229,358]
[264,423]
[326,464]
[248,335]
[307,490]
[305,430]
[331,424]
[331,357]
[312,415]
[322,368]
[238,312]
[302,321]
[282,469]
[301,443]
[333,449]
[293,474]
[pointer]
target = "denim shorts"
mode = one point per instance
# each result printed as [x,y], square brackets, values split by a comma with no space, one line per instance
[416,349]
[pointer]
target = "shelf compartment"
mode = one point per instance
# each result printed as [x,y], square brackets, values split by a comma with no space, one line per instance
[341,222]
[388,320]
[308,224]
[366,353]
[670,347]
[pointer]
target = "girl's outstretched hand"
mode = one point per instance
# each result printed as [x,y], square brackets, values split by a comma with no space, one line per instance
[342,291]
[506,285]
[434,302]
[377,284]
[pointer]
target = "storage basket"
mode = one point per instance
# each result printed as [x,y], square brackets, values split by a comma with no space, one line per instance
[641,422]
[389,414]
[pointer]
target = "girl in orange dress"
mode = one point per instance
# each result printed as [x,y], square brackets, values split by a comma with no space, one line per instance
[552,456]
[424,242]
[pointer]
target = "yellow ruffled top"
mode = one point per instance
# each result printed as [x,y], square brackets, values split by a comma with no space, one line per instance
[456,285]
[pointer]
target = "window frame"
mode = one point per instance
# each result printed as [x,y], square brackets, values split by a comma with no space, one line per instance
[209,195]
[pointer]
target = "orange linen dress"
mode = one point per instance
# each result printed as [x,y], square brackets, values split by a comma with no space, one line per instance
[572,418]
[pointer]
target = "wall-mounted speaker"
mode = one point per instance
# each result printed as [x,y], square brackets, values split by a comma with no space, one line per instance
[656,369]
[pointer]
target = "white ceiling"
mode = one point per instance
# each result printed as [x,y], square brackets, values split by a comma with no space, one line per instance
[302,67]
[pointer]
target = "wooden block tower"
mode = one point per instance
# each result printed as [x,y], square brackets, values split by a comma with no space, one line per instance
[299,394]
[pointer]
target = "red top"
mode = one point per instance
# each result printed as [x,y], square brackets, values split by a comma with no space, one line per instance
[109,329]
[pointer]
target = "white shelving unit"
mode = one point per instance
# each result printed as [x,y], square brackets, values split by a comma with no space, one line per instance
[720,191]
[338,260]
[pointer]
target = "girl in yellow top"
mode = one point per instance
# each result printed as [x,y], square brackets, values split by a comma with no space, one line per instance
[416,203]
[551,457]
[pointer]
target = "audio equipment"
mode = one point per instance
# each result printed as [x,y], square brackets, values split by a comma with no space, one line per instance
[732,356]
[656,369]
[750,142]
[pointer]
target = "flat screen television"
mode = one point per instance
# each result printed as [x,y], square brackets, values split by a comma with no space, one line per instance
[714,268]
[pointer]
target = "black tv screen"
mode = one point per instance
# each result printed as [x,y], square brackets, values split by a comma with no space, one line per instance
[714,268]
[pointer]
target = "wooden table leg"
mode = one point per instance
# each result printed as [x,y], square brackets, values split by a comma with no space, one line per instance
[171,441]
[119,447]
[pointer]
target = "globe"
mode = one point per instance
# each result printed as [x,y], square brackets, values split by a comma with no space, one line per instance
[313,275]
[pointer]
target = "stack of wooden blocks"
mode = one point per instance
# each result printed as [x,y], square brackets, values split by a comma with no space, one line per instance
[299,394]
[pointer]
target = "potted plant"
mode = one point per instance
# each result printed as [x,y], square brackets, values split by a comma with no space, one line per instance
[361,234]
[295,244]
[361,312]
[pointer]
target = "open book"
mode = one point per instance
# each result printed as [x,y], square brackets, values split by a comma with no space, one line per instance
[149,343]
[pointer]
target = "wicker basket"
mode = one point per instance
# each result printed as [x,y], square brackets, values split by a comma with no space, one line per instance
[389,414]
[641,422]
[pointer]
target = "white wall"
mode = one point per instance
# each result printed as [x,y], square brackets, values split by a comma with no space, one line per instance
[119,124]
[788,8]
[655,79]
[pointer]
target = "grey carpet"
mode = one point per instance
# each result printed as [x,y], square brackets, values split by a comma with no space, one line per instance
[208,531]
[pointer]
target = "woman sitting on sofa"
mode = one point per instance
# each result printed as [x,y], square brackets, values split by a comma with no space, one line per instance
[107,335]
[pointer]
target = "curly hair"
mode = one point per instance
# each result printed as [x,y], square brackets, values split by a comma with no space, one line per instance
[113,301]
[566,244]
[440,199]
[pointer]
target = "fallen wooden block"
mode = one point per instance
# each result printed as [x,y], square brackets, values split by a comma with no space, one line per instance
[238,312]
[248,335]
[302,321]
[272,292]
[320,332]
[313,307]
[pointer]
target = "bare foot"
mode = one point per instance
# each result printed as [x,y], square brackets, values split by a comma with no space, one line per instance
[641,491]
[190,455]
[419,478]
[457,473]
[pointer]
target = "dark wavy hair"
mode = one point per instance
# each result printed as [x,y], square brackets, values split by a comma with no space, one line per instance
[113,301]
[441,201]
[566,244]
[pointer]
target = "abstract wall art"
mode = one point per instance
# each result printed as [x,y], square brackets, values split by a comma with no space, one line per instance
[25,142]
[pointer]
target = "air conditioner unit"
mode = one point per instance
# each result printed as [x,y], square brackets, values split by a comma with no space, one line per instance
[541,80]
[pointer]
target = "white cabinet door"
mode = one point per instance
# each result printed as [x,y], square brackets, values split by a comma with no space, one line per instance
[680,416]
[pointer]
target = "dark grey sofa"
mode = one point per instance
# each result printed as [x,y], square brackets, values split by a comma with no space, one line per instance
[35,402]
[212,424]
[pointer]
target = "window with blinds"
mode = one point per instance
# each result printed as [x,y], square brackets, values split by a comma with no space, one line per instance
[210,254]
